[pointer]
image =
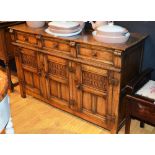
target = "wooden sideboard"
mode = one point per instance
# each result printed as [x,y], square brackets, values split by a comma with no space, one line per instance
[77,74]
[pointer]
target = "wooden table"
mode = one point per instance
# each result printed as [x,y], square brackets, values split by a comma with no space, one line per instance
[5,119]
[7,50]
[137,106]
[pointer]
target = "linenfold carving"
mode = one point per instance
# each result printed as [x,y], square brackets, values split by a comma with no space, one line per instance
[29,60]
[94,80]
[57,69]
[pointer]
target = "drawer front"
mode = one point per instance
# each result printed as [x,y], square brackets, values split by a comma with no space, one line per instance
[59,46]
[94,53]
[143,112]
[26,38]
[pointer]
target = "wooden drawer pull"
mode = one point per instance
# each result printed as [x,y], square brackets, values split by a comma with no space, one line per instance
[79,86]
[94,54]
[26,39]
[55,45]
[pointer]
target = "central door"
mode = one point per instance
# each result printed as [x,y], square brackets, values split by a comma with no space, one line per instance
[59,81]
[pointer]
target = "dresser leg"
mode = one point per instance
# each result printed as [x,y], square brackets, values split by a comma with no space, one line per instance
[9,127]
[113,131]
[142,124]
[22,89]
[127,125]
[22,92]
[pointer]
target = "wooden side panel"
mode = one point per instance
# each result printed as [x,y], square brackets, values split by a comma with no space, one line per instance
[2,48]
[131,64]
[10,48]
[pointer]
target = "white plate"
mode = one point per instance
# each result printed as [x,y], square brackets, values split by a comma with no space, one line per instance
[63,35]
[64,24]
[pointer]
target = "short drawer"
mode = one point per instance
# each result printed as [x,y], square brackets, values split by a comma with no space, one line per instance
[26,38]
[143,112]
[61,46]
[94,53]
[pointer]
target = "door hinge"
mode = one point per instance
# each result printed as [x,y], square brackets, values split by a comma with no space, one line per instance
[113,81]
[110,117]
[71,69]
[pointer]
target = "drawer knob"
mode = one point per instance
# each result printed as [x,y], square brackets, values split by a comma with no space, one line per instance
[94,54]
[55,45]
[79,86]
[26,39]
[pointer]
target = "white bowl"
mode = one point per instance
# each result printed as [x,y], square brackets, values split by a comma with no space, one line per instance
[35,24]
[111,39]
[111,30]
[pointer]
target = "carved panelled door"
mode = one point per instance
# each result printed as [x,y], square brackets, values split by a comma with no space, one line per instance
[59,81]
[30,70]
[93,92]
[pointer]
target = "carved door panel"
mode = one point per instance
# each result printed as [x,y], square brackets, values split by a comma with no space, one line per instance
[94,93]
[59,81]
[31,72]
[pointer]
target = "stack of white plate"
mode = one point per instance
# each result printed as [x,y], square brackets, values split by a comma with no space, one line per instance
[64,28]
[111,34]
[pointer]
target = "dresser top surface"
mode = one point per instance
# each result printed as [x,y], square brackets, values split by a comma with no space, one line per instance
[86,38]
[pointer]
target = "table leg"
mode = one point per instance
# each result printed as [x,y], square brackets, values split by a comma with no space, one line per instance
[142,124]
[127,125]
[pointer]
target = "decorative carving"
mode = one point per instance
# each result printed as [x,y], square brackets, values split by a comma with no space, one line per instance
[29,60]
[94,80]
[57,69]
[16,53]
